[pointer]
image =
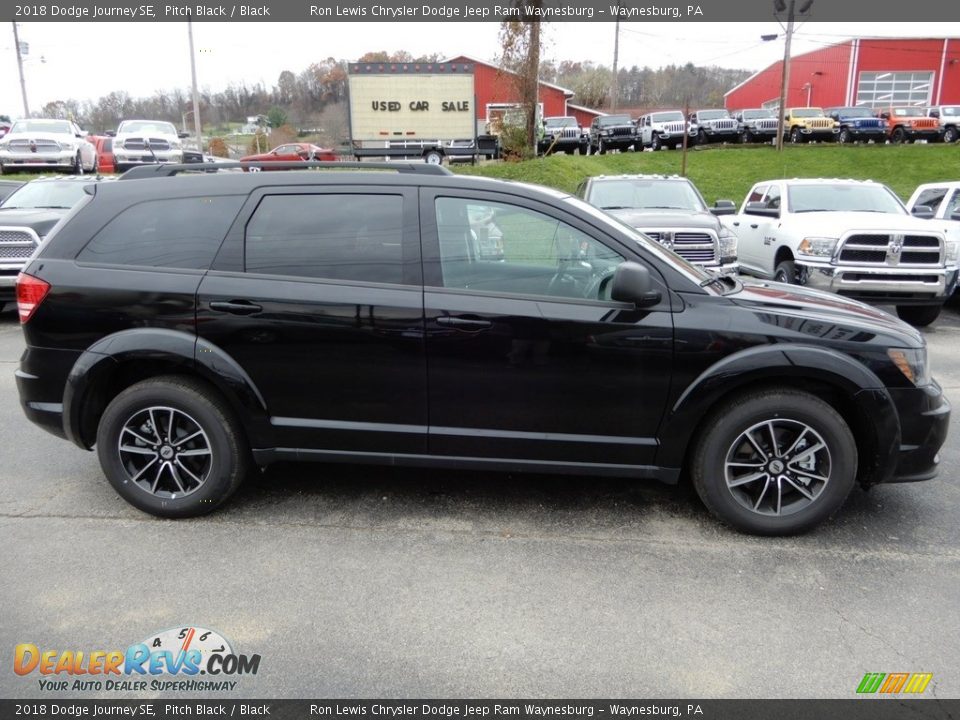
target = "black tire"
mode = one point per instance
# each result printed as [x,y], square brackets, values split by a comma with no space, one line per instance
[845,137]
[655,143]
[702,138]
[746,137]
[601,147]
[95,170]
[433,157]
[78,164]
[918,315]
[796,136]
[950,135]
[3,170]
[220,470]
[793,501]
[898,136]
[786,272]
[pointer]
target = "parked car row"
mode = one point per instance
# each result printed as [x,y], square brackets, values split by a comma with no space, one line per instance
[671,128]
[849,237]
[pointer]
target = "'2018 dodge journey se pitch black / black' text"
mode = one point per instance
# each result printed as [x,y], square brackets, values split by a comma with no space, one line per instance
[191,327]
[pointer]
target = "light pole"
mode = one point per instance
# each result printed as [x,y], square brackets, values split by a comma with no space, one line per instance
[196,94]
[23,83]
[792,11]
[183,119]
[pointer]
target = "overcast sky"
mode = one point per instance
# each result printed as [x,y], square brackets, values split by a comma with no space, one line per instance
[87,60]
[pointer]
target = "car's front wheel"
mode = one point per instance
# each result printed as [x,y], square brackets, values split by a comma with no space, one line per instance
[918,315]
[172,447]
[775,462]
[796,136]
[950,135]
[786,272]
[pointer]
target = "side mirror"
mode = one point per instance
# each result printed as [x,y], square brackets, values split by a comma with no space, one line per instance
[632,284]
[955,215]
[183,135]
[758,208]
[922,211]
[79,135]
[111,133]
[724,207]
[935,113]
[885,115]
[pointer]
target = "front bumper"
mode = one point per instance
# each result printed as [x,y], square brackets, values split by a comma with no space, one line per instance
[930,135]
[924,421]
[139,157]
[58,159]
[880,285]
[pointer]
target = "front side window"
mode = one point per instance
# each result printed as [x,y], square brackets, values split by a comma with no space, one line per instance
[175,233]
[932,197]
[355,237]
[496,247]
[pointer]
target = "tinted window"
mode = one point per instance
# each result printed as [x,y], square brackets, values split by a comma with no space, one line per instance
[334,237]
[176,233]
[496,247]
[932,197]
[953,204]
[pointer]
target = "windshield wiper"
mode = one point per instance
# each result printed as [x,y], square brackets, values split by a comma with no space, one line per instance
[51,207]
[614,207]
[806,210]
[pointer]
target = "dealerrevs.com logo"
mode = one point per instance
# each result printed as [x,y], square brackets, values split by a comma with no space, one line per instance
[184,652]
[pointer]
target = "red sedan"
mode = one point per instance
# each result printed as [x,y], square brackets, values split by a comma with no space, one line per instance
[292,152]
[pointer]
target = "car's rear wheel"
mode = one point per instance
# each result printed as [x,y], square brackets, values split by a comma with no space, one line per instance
[172,447]
[918,315]
[775,462]
[433,157]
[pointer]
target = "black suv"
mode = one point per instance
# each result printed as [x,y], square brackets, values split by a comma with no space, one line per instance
[191,327]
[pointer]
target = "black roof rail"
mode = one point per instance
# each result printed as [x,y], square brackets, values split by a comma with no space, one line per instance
[171,169]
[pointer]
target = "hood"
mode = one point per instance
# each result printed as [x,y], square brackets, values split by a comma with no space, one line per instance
[822,314]
[658,218]
[40,220]
[835,224]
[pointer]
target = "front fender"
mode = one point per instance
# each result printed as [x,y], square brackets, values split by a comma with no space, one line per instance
[772,365]
[169,352]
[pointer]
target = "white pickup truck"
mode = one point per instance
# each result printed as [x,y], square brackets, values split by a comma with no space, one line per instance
[851,237]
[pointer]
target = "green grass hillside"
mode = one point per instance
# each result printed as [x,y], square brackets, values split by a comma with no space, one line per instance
[728,171]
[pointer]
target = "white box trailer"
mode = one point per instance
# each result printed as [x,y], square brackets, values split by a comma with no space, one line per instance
[415,110]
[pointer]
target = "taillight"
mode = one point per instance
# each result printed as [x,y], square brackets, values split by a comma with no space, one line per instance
[30,293]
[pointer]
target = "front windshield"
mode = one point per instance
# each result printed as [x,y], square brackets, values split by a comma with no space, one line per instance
[667,117]
[46,194]
[855,112]
[645,194]
[145,126]
[561,122]
[807,112]
[840,197]
[756,114]
[695,273]
[60,127]
[615,120]
[713,114]
[905,112]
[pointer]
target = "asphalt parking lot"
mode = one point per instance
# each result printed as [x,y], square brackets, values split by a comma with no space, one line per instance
[378,582]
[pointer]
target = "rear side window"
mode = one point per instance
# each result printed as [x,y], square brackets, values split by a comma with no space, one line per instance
[331,237]
[175,233]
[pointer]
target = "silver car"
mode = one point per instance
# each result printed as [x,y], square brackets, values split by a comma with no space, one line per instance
[57,144]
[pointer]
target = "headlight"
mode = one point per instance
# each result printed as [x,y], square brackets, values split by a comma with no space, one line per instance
[817,246]
[176,144]
[728,244]
[953,250]
[68,146]
[913,363]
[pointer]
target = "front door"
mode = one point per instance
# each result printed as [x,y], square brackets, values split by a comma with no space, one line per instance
[528,357]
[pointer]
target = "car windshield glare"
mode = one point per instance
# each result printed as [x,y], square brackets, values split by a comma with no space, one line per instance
[645,194]
[61,127]
[138,126]
[756,114]
[615,120]
[843,198]
[713,114]
[561,122]
[45,194]
[667,117]
[807,113]
[855,112]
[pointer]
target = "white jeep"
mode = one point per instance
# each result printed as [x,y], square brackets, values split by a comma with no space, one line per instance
[663,129]
[854,238]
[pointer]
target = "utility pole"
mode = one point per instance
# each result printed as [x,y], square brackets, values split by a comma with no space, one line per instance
[196,95]
[785,75]
[615,85]
[23,83]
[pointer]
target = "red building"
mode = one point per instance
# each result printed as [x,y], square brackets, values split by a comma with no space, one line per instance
[496,92]
[877,72]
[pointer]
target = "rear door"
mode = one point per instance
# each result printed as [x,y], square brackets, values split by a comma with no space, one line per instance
[529,359]
[317,295]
